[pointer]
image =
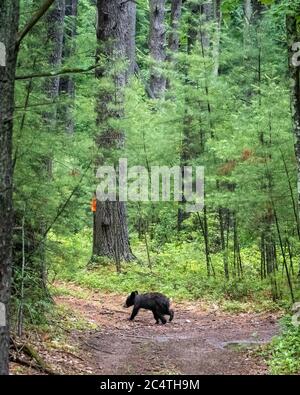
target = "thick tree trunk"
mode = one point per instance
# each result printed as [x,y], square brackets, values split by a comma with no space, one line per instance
[175,25]
[116,25]
[157,43]
[293,37]
[66,83]
[111,231]
[9,16]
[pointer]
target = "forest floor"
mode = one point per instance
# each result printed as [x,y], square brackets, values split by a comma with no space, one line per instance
[200,340]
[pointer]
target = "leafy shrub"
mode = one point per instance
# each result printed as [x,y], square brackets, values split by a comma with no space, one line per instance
[285,350]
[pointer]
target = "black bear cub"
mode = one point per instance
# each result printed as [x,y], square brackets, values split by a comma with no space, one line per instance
[158,303]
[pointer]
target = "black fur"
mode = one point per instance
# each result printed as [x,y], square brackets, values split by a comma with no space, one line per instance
[158,303]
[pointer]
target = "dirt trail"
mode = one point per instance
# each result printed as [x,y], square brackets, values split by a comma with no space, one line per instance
[196,342]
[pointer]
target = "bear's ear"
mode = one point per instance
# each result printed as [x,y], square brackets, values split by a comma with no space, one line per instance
[136,292]
[133,294]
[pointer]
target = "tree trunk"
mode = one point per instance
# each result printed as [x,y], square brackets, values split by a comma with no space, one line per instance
[206,17]
[175,25]
[66,83]
[222,213]
[9,17]
[157,43]
[248,11]
[173,41]
[292,38]
[258,7]
[130,38]
[116,25]
[193,25]
[217,36]
[55,32]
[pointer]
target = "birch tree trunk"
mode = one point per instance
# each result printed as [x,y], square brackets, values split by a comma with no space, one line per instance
[157,44]
[116,25]
[9,16]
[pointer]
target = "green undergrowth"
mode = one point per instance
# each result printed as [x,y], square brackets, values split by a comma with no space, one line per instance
[283,353]
[60,320]
[177,269]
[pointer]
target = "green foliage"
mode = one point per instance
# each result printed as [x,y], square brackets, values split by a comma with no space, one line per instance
[178,270]
[285,350]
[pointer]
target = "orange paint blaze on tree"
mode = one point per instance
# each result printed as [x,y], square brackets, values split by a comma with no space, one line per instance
[94,205]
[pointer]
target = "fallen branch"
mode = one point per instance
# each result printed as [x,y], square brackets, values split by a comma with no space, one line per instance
[20,361]
[57,73]
[31,353]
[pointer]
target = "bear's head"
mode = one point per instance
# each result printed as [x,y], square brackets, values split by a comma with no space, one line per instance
[130,300]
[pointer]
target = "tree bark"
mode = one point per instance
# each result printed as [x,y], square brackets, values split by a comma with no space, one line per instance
[9,17]
[66,83]
[175,25]
[116,25]
[157,44]
[217,36]
[130,38]
[248,11]
[55,32]
[292,38]
[258,7]
[207,15]
[193,25]
[173,45]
